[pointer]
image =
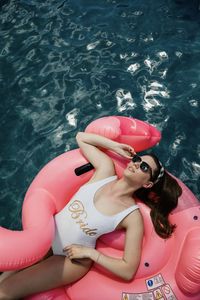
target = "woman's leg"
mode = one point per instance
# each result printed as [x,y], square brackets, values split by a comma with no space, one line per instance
[6,274]
[53,272]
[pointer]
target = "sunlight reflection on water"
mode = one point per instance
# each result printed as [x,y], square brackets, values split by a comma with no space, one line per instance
[64,64]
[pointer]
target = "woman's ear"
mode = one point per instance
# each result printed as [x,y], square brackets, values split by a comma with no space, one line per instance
[148,185]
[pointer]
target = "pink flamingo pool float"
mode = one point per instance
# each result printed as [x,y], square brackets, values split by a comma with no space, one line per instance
[169,269]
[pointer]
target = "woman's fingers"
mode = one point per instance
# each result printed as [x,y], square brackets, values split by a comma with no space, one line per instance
[78,251]
[128,151]
[75,251]
[68,251]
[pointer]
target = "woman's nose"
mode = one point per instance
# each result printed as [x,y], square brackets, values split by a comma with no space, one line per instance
[137,164]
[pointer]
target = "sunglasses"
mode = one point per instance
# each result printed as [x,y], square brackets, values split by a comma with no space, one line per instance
[144,167]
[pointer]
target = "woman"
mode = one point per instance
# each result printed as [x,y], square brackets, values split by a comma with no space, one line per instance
[102,205]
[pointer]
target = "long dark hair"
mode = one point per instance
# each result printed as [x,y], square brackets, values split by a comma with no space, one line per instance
[162,198]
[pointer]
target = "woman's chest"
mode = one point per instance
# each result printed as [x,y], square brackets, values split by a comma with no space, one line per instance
[108,205]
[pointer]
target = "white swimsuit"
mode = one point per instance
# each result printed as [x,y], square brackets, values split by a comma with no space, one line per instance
[79,222]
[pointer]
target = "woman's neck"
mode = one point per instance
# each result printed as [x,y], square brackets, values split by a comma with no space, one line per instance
[123,188]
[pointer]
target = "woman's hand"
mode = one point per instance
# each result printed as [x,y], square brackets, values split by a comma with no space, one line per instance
[124,150]
[75,251]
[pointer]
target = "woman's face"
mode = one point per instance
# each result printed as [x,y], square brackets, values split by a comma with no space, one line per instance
[140,170]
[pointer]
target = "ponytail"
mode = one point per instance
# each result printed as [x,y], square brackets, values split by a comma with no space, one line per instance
[161,198]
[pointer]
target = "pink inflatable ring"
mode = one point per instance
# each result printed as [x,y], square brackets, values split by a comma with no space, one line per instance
[169,269]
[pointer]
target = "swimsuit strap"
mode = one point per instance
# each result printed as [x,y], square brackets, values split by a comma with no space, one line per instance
[124,213]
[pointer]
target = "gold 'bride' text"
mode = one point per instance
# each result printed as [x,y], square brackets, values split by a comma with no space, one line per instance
[78,213]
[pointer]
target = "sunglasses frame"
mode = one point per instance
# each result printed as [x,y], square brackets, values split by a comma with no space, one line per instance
[139,160]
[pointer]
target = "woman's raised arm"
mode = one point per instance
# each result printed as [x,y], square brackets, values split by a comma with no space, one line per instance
[92,145]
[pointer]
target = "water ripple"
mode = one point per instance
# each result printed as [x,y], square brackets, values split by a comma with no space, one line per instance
[66,63]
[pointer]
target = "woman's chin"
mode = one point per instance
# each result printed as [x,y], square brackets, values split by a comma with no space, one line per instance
[128,172]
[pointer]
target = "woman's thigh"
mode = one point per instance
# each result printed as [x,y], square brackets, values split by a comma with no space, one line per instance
[53,272]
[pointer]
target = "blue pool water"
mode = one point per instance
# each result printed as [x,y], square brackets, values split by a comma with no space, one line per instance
[65,63]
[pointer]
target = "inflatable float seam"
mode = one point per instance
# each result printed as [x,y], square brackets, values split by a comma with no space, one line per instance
[188,266]
[50,195]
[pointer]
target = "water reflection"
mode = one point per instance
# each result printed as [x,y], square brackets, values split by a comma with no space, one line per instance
[64,64]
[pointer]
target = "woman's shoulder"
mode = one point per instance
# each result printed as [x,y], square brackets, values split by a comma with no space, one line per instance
[133,221]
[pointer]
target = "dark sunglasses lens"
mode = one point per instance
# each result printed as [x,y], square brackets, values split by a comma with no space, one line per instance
[144,167]
[136,158]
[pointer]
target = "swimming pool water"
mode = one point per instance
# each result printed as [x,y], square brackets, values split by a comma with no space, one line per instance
[66,63]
